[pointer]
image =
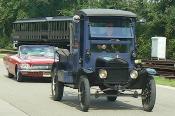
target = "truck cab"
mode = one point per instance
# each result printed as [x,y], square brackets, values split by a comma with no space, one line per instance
[102,53]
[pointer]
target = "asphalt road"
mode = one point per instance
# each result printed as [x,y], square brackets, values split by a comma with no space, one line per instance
[33,98]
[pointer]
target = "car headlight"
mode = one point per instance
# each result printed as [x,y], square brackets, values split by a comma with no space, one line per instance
[24,66]
[103,73]
[134,74]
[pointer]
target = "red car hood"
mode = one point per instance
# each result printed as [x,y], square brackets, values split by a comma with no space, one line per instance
[37,60]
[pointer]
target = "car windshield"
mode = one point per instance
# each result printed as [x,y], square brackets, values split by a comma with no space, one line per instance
[44,51]
[114,28]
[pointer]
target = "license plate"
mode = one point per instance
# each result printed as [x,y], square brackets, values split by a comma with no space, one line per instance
[46,75]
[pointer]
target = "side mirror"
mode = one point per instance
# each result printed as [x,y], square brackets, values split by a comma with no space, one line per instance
[76,19]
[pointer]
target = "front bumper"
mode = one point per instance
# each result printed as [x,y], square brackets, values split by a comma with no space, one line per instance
[36,73]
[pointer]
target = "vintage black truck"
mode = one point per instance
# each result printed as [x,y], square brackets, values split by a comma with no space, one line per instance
[101,51]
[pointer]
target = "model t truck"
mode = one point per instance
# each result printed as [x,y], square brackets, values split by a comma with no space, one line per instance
[101,51]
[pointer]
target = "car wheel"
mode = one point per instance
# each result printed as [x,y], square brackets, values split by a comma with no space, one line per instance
[57,87]
[19,77]
[111,98]
[149,95]
[10,75]
[84,93]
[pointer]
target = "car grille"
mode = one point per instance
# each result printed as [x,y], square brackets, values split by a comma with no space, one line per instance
[117,69]
[41,67]
[117,75]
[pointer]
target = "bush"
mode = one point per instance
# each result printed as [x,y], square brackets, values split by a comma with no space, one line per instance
[170,49]
[144,47]
[5,43]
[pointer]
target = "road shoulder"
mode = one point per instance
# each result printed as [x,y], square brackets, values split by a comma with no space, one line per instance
[167,87]
[8,110]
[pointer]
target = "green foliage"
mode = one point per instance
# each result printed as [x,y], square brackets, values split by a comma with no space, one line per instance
[171,48]
[144,47]
[159,15]
[5,42]
[165,81]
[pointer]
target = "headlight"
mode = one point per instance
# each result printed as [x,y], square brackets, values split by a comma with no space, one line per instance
[103,73]
[134,74]
[139,61]
[24,66]
[103,47]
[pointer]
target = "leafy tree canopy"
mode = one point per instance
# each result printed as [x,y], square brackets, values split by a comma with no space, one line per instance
[159,15]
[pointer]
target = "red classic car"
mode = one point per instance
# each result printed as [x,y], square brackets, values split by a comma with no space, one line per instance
[30,61]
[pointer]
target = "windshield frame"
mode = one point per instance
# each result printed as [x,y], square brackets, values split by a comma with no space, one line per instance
[112,19]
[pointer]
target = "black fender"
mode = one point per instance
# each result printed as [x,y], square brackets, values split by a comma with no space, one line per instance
[148,72]
[59,65]
[87,72]
[144,75]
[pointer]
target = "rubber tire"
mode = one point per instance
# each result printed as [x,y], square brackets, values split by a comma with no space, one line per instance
[111,98]
[10,75]
[57,87]
[149,102]
[19,77]
[84,93]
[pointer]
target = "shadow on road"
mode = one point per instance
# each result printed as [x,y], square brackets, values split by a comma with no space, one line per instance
[32,80]
[71,99]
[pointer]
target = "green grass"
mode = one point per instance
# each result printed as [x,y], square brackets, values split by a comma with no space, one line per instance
[2,55]
[165,81]
[3,52]
[8,51]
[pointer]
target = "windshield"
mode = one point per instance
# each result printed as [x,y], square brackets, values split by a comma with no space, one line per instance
[119,47]
[111,28]
[44,51]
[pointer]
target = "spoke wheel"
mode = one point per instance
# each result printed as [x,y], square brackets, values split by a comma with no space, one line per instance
[84,93]
[57,87]
[149,95]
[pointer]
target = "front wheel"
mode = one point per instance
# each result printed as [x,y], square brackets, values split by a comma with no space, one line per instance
[19,77]
[149,95]
[84,93]
[10,75]
[57,87]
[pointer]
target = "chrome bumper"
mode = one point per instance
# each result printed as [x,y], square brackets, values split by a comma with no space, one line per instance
[35,70]
[45,73]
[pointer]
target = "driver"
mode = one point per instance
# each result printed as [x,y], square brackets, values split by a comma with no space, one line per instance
[109,30]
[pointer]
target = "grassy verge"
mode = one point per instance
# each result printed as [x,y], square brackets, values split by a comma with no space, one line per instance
[3,52]
[164,81]
[2,55]
[8,51]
